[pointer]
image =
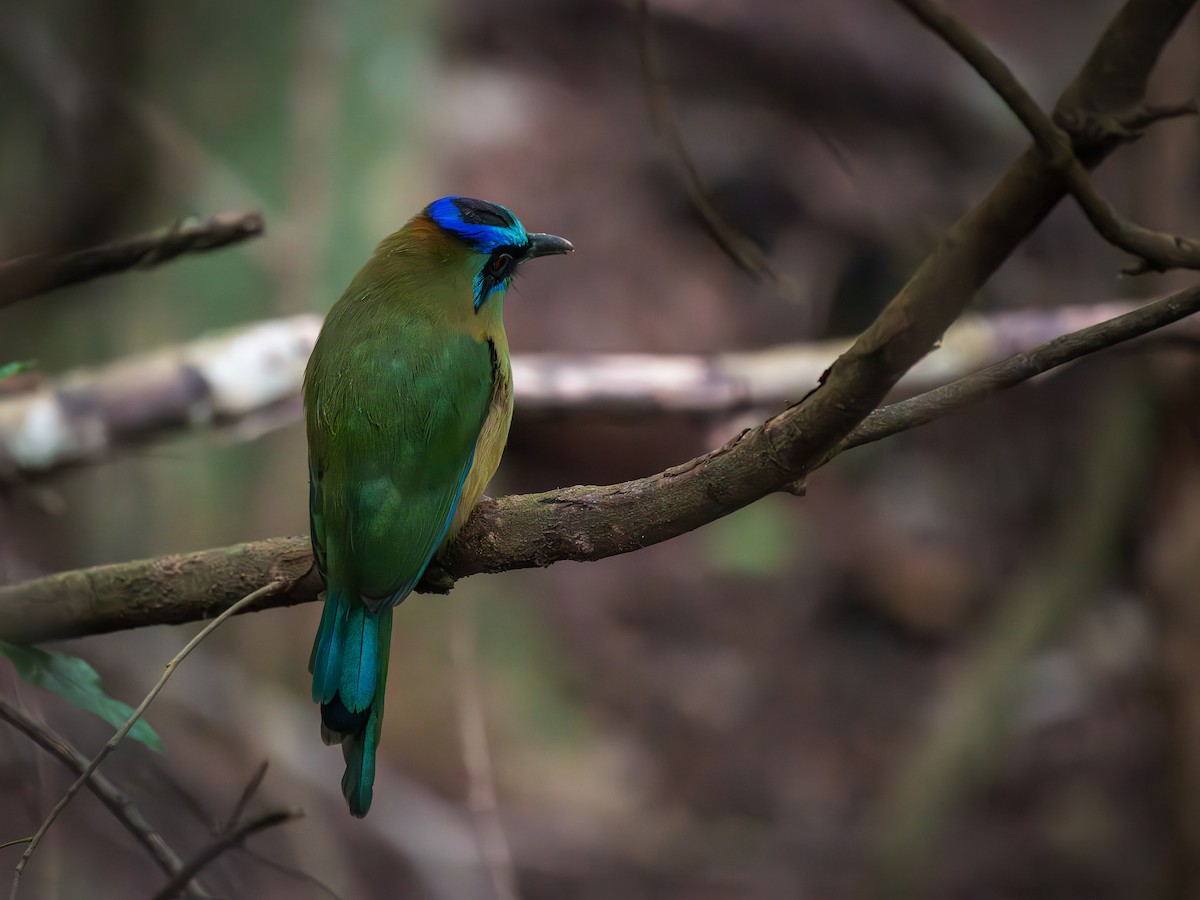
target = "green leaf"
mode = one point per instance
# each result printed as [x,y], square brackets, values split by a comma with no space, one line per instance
[13,368]
[74,680]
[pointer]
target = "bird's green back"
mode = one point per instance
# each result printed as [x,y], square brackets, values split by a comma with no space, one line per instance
[396,400]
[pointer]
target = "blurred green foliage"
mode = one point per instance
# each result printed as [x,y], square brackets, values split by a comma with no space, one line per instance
[76,681]
[759,540]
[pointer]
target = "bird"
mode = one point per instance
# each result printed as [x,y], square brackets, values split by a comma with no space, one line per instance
[408,401]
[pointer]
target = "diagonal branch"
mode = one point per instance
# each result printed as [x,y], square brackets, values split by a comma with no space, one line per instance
[227,840]
[117,802]
[740,248]
[934,404]
[29,276]
[121,732]
[1155,250]
[512,532]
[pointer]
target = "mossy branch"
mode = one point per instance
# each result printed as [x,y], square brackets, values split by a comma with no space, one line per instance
[590,522]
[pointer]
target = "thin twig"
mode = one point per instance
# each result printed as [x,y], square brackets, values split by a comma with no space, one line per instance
[235,817]
[248,792]
[116,739]
[297,874]
[117,802]
[924,408]
[1156,251]
[477,758]
[741,249]
[226,841]
[14,842]
[29,276]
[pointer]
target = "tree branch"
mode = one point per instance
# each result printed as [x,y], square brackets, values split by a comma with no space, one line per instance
[226,841]
[934,404]
[106,792]
[579,523]
[1155,251]
[29,276]
[121,732]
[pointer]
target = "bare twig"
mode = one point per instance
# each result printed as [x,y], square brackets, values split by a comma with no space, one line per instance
[1155,250]
[477,757]
[934,404]
[223,842]
[741,249]
[579,523]
[106,792]
[289,872]
[116,739]
[248,793]
[29,276]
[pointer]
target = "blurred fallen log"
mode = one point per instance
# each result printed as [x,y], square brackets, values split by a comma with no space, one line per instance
[29,276]
[250,377]
[89,415]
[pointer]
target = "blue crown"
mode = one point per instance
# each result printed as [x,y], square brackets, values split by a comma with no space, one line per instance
[482,225]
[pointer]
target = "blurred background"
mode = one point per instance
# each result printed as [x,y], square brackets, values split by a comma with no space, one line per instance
[967,661]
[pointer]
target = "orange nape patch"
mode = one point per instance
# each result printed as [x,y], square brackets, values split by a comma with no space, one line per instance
[420,245]
[423,229]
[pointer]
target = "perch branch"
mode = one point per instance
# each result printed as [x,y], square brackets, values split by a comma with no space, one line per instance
[106,792]
[28,276]
[1156,251]
[121,732]
[579,523]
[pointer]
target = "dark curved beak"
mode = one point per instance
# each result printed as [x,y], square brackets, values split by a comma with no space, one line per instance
[547,245]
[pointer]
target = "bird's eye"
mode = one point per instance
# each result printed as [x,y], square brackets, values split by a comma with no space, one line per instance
[500,265]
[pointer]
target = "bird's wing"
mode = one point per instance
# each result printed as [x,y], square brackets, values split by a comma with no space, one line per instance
[391,440]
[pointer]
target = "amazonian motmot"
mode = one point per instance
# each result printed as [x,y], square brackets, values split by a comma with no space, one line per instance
[408,400]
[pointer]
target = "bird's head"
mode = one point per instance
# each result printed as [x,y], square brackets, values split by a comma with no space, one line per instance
[494,241]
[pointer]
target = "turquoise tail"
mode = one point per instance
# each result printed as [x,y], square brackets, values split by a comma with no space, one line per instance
[349,665]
